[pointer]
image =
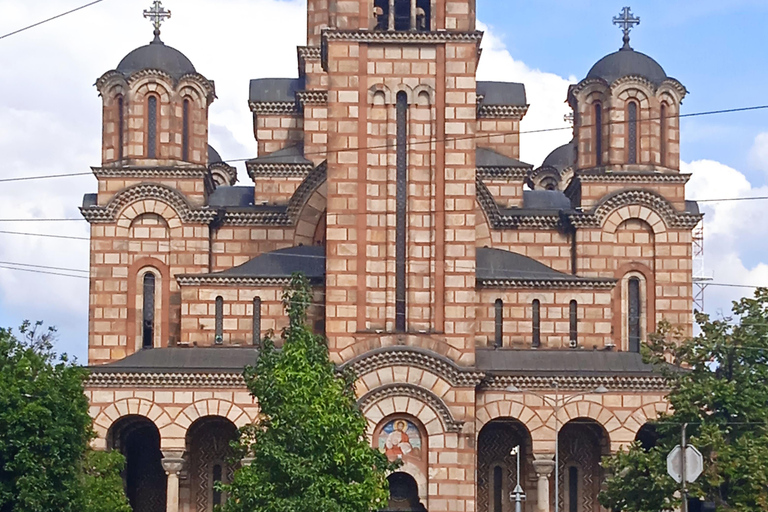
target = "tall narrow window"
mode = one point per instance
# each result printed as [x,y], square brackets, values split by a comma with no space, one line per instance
[573,489]
[663,135]
[536,323]
[498,339]
[402,14]
[152,127]
[216,477]
[219,321]
[574,320]
[120,127]
[381,13]
[423,15]
[498,498]
[148,312]
[598,133]
[632,133]
[401,211]
[634,313]
[256,320]
[185,132]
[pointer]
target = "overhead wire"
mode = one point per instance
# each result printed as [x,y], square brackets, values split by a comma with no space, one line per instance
[9,34]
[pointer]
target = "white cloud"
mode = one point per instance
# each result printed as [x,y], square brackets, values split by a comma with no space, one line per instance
[758,155]
[547,93]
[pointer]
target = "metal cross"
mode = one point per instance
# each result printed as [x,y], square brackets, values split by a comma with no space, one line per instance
[157,14]
[626,20]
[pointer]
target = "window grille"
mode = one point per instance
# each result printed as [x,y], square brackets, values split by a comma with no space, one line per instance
[401,211]
[148,311]
[152,127]
[536,323]
[219,320]
[634,314]
[499,323]
[632,133]
[574,320]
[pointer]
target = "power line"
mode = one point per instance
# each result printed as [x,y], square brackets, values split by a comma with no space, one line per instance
[32,271]
[44,267]
[63,237]
[48,177]
[42,220]
[50,19]
[755,198]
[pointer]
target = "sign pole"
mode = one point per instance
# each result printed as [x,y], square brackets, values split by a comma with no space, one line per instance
[684,493]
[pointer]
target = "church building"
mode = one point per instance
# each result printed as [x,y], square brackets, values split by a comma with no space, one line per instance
[491,310]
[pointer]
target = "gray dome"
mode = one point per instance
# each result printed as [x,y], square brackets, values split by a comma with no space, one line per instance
[156,55]
[627,62]
[213,156]
[562,157]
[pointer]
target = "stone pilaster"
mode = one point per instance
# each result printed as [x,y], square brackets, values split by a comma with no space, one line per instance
[543,465]
[173,464]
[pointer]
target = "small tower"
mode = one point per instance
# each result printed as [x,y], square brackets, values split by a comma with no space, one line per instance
[155,106]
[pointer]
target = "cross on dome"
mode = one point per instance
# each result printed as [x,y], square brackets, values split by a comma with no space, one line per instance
[626,20]
[157,14]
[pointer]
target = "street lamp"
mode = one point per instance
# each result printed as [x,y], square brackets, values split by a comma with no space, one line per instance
[518,495]
[556,404]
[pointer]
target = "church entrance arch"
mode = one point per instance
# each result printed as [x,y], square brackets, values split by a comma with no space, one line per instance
[583,443]
[138,439]
[497,467]
[210,455]
[403,494]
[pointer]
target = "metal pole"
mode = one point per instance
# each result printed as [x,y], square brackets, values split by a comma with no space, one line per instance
[518,506]
[557,447]
[683,446]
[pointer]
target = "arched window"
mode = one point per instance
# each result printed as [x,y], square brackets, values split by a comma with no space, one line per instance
[185,131]
[498,489]
[536,323]
[663,135]
[148,311]
[632,133]
[256,320]
[634,314]
[574,321]
[152,127]
[216,475]
[498,339]
[598,133]
[219,321]
[401,203]
[573,489]
[120,126]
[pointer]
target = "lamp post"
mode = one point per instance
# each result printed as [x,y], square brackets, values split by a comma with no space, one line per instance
[557,404]
[518,495]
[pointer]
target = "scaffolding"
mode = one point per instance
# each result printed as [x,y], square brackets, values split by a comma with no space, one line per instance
[700,278]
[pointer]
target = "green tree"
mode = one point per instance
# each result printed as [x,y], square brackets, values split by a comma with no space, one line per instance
[719,386]
[309,448]
[45,429]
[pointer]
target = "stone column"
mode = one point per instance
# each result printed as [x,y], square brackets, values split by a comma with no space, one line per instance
[173,464]
[543,465]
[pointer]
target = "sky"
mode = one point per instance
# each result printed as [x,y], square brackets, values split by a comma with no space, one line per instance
[50,114]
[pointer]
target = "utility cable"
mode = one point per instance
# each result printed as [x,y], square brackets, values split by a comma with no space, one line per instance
[43,235]
[50,19]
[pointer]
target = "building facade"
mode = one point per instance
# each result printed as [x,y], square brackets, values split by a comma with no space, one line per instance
[483,304]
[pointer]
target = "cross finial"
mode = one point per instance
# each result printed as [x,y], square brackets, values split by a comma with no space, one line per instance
[157,14]
[626,20]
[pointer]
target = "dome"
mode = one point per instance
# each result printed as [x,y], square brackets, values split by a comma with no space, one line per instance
[156,55]
[562,157]
[627,62]
[213,156]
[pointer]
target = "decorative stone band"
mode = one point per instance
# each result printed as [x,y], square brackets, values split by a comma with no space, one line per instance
[414,357]
[575,283]
[111,77]
[100,379]
[225,168]
[223,280]
[602,175]
[312,98]
[410,390]
[498,220]
[506,173]
[672,83]
[256,218]
[502,111]
[308,52]
[311,183]
[274,108]
[150,172]
[577,382]
[267,170]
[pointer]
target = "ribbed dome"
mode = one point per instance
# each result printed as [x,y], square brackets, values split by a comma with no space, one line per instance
[562,157]
[156,55]
[627,62]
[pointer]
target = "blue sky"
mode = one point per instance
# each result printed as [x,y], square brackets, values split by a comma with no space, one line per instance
[50,113]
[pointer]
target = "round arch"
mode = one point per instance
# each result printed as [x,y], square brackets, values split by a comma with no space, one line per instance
[105,419]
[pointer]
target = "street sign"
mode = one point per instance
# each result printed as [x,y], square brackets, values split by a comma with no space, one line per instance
[694,464]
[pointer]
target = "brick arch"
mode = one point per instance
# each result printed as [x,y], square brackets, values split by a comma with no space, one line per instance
[311,214]
[589,410]
[595,90]
[380,89]
[109,415]
[424,89]
[197,91]
[646,413]
[506,407]
[407,89]
[637,91]
[482,227]
[619,216]
[421,480]
[418,402]
[159,84]
[402,374]
[368,342]
[132,211]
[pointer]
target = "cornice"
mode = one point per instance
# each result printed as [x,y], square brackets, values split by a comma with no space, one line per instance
[256,218]
[102,379]
[150,172]
[575,283]
[500,220]
[506,173]
[436,364]
[391,36]
[312,98]
[501,111]
[576,383]
[267,170]
[410,390]
[274,108]
[603,176]
[223,280]
[308,52]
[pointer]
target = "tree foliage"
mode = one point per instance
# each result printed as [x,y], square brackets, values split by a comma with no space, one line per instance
[309,448]
[101,482]
[719,386]
[45,431]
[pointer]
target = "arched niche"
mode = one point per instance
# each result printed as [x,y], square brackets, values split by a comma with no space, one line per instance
[402,437]
[210,460]
[497,466]
[582,444]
